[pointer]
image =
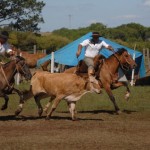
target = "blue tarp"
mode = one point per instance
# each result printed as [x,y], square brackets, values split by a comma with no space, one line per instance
[67,54]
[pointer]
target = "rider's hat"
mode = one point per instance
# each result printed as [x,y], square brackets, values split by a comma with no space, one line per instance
[96,34]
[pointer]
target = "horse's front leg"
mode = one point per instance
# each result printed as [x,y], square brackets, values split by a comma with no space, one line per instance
[5,105]
[21,102]
[118,84]
[112,98]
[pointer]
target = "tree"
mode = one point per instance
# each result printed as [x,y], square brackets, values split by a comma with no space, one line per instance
[22,15]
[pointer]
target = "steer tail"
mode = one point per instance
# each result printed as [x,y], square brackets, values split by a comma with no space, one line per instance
[27,94]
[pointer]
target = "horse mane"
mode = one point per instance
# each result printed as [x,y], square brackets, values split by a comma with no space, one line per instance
[19,57]
[120,51]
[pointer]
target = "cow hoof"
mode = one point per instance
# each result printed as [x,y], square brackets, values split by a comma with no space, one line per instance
[45,110]
[17,112]
[75,119]
[47,118]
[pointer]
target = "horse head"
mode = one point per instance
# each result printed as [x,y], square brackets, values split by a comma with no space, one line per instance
[22,67]
[125,59]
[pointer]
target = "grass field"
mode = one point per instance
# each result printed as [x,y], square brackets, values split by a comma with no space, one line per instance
[98,126]
[138,101]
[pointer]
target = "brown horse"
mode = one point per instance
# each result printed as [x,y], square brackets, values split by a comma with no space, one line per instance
[107,69]
[31,59]
[7,73]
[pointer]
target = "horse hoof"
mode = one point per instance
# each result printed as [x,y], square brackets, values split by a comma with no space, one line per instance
[3,107]
[119,112]
[40,112]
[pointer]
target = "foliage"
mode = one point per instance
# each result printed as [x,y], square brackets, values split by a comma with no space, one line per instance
[22,15]
[126,34]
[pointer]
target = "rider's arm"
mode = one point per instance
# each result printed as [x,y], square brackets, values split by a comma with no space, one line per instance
[79,50]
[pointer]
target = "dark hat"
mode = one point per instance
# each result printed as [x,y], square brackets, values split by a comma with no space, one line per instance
[4,35]
[96,34]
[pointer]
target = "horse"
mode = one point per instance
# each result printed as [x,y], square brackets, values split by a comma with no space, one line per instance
[7,73]
[31,59]
[106,71]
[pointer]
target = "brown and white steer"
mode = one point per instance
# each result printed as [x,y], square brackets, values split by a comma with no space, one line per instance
[60,86]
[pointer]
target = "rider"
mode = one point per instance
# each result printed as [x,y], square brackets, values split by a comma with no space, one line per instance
[92,48]
[5,49]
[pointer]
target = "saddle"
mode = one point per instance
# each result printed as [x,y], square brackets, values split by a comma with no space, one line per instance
[82,67]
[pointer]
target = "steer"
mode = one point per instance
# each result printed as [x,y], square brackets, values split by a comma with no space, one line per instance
[58,86]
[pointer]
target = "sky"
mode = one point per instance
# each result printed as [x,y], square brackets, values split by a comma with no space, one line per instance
[74,14]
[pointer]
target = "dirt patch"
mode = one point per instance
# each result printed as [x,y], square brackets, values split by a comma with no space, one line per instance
[94,130]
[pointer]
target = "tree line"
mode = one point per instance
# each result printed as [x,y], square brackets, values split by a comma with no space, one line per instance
[126,34]
[21,19]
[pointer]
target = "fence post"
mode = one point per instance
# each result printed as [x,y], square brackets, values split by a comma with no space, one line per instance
[34,49]
[52,62]
[132,77]
[144,55]
[148,59]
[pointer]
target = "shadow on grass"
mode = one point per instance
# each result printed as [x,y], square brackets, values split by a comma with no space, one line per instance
[26,118]
[20,117]
[112,112]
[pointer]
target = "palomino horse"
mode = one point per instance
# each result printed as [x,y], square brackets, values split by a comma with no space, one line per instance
[107,69]
[7,73]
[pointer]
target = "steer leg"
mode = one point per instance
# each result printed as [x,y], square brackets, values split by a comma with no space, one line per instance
[72,106]
[48,104]
[54,106]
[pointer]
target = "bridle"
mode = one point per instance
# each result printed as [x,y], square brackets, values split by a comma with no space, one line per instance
[16,69]
[123,66]
[21,67]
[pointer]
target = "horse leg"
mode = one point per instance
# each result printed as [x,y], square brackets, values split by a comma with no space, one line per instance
[112,98]
[54,106]
[5,105]
[118,84]
[37,100]
[21,102]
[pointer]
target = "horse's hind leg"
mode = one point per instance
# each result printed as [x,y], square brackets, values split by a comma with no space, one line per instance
[5,105]
[112,98]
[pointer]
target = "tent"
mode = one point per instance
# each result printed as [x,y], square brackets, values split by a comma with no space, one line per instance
[67,54]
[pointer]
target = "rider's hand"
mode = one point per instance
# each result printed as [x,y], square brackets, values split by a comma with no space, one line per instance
[77,55]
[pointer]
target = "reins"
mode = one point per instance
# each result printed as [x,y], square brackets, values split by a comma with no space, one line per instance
[16,69]
[121,65]
[5,76]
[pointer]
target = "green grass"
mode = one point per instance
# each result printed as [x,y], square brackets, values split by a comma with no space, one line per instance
[138,101]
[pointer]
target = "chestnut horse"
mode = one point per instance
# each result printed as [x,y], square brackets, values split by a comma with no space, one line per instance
[7,73]
[106,71]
